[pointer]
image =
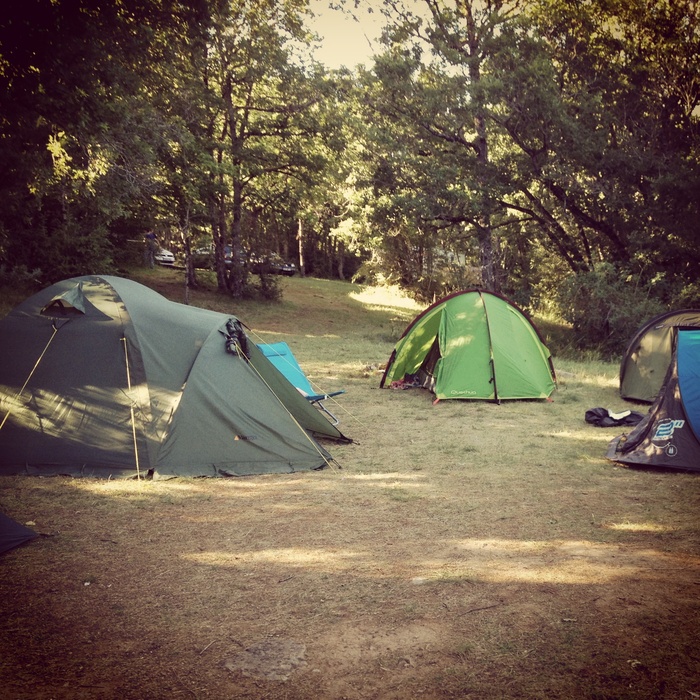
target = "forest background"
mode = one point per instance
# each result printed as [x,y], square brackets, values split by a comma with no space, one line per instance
[544,149]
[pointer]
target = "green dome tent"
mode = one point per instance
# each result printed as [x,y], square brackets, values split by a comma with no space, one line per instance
[473,345]
[104,377]
[648,355]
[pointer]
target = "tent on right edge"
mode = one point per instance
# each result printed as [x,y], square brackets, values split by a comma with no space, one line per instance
[669,435]
[648,355]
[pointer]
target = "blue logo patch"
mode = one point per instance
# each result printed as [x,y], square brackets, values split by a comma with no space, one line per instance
[666,428]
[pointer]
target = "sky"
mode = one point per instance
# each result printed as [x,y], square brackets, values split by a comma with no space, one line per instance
[345,41]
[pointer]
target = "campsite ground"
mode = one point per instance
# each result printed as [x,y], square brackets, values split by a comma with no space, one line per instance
[462,550]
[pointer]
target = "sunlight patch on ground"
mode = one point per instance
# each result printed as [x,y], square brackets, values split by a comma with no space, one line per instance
[292,556]
[261,336]
[217,488]
[385,298]
[566,572]
[121,487]
[257,335]
[492,561]
[584,435]
[556,561]
[389,476]
[598,379]
[640,527]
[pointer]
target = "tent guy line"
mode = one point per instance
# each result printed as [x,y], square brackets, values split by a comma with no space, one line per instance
[131,406]
[24,386]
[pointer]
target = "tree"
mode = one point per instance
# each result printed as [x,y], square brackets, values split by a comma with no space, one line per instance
[563,126]
[262,114]
[77,139]
[624,153]
[441,109]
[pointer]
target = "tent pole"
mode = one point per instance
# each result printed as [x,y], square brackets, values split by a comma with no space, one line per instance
[131,406]
[24,386]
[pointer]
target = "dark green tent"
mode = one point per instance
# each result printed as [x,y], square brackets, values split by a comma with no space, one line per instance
[669,435]
[102,376]
[648,355]
[473,345]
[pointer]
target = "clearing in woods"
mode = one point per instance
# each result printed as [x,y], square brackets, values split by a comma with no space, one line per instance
[463,550]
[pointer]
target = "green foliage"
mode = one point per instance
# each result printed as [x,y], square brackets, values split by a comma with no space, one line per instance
[605,309]
[503,144]
[688,297]
[569,128]
[269,287]
[77,148]
[19,276]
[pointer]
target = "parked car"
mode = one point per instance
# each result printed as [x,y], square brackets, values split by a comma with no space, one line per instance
[204,257]
[272,264]
[283,267]
[164,257]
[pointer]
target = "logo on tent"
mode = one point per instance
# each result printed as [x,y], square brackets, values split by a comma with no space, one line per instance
[666,428]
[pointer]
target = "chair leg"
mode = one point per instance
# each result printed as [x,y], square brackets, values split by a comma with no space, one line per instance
[322,408]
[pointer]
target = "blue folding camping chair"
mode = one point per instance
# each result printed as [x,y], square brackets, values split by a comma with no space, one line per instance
[283,359]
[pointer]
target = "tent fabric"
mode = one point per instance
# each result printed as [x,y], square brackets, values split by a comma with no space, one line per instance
[105,377]
[669,435]
[473,345]
[688,352]
[12,534]
[645,362]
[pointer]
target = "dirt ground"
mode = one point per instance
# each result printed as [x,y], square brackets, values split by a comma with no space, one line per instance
[464,550]
[354,583]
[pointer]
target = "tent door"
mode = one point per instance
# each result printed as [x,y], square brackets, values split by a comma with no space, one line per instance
[429,369]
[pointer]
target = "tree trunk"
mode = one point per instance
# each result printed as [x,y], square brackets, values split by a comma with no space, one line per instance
[484,232]
[300,240]
[237,273]
[341,260]
[219,243]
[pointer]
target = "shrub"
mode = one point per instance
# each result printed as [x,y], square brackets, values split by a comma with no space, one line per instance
[688,297]
[605,309]
[269,287]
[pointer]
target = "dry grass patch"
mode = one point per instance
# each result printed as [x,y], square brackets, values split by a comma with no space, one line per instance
[462,550]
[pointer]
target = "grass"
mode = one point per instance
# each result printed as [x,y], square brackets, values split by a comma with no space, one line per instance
[463,550]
